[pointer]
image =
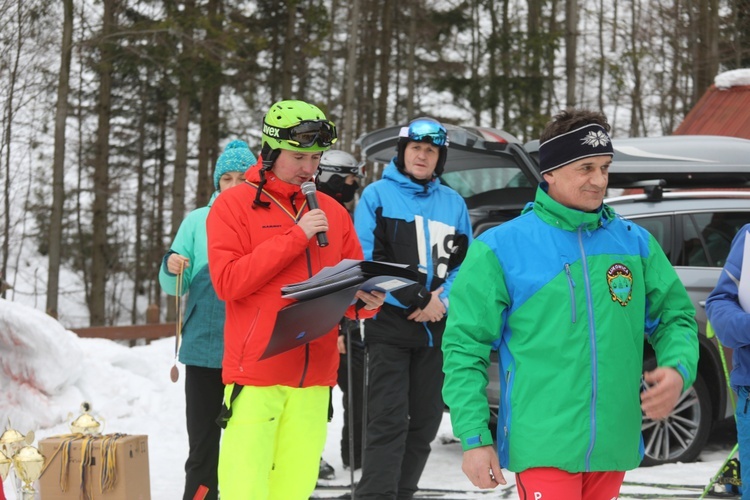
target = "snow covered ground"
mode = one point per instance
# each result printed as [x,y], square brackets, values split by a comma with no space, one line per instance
[47,371]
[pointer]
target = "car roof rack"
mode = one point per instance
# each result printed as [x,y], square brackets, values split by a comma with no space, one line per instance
[667,194]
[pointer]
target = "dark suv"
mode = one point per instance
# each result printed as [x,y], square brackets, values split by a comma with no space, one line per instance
[693,224]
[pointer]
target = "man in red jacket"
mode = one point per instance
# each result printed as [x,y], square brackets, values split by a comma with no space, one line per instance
[261,237]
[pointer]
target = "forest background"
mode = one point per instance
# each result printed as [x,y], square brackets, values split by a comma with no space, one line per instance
[114,111]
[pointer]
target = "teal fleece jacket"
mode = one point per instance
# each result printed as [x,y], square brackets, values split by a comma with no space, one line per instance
[203,320]
[567,297]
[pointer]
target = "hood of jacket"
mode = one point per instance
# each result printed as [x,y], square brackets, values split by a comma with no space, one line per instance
[392,173]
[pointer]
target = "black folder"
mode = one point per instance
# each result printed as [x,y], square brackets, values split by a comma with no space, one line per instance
[366,275]
[306,320]
[323,299]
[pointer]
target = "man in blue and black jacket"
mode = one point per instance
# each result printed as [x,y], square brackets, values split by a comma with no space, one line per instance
[408,217]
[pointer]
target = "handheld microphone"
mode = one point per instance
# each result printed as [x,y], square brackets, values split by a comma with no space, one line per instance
[308,189]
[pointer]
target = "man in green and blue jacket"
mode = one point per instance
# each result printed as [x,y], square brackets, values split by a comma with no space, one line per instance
[566,292]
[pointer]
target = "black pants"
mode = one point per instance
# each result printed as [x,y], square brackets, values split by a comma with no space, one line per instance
[405,408]
[204,393]
[357,356]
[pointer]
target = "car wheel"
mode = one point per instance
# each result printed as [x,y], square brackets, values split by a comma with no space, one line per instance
[682,435]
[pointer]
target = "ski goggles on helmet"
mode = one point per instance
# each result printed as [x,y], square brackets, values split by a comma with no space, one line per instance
[425,130]
[305,134]
[358,170]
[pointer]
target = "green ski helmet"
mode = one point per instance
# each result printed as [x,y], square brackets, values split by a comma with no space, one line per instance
[297,126]
[294,126]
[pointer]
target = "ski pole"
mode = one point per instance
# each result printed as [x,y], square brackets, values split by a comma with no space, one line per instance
[365,391]
[350,404]
[711,334]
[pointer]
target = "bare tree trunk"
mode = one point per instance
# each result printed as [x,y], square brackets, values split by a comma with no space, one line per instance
[83,238]
[507,64]
[493,100]
[58,161]
[9,112]
[411,58]
[208,144]
[330,68]
[475,94]
[550,63]
[386,40]
[157,238]
[602,65]
[367,57]
[182,123]
[707,49]
[571,50]
[100,251]
[636,98]
[290,41]
[351,76]
[534,72]
[208,141]
[139,195]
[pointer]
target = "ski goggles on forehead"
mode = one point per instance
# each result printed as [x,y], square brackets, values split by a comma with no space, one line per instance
[425,131]
[358,169]
[305,134]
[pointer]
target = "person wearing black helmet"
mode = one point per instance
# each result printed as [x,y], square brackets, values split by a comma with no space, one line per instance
[337,177]
[338,174]
[408,217]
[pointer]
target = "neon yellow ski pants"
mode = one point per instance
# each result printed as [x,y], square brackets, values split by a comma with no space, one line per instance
[271,447]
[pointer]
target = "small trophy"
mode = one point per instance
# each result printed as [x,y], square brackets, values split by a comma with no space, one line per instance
[29,463]
[11,441]
[5,463]
[85,423]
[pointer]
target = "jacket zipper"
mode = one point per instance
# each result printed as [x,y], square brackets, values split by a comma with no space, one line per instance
[508,377]
[309,274]
[592,342]
[245,341]
[571,287]
[307,364]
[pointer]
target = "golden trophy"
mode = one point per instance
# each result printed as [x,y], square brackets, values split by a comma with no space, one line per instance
[85,423]
[5,463]
[28,463]
[11,441]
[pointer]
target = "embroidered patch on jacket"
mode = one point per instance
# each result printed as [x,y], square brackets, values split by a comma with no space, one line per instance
[620,282]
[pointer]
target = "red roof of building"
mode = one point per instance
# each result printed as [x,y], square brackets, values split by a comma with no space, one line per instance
[719,112]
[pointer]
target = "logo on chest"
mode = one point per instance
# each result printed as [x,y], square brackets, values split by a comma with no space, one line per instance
[620,283]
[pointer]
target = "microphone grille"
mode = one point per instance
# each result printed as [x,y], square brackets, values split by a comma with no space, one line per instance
[307,188]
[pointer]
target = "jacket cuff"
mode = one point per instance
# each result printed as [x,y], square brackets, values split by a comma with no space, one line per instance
[683,371]
[470,440]
[164,262]
[422,298]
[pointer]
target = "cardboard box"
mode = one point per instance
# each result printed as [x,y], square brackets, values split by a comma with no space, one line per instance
[131,478]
